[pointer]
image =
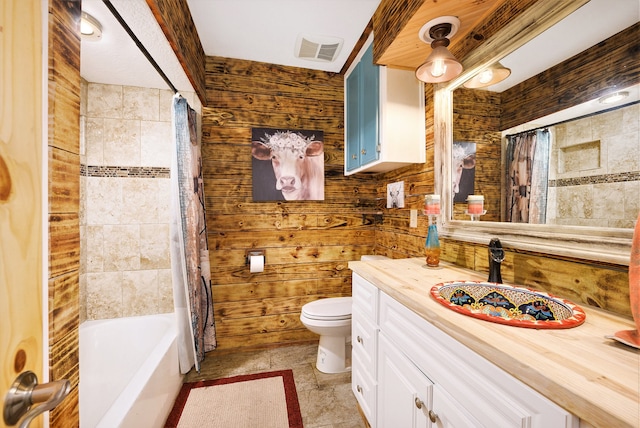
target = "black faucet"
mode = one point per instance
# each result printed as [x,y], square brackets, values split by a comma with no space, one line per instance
[496,256]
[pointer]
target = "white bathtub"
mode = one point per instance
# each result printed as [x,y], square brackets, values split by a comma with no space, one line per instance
[129,375]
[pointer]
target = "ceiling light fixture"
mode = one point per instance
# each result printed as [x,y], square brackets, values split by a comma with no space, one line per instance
[90,28]
[490,76]
[440,65]
[613,98]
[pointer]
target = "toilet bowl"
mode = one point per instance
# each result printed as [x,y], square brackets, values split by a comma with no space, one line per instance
[331,319]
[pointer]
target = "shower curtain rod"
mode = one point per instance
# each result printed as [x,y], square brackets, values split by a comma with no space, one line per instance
[139,44]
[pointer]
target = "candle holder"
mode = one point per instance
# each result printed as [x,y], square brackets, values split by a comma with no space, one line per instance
[475,216]
[475,207]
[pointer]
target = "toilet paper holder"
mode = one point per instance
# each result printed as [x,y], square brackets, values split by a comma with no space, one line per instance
[251,253]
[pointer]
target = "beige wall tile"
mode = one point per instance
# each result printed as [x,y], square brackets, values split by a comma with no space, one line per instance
[104,201]
[121,247]
[609,203]
[94,261]
[140,103]
[623,153]
[165,291]
[154,246]
[104,100]
[139,293]
[166,103]
[121,142]
[83,298]
[140,201]
[155,144]
[164,200]
[104,295]
[94,141]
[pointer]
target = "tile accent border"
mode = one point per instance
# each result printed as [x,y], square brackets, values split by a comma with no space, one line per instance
[124,171]
[596,179]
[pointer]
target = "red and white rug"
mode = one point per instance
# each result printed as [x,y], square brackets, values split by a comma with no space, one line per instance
[265,400]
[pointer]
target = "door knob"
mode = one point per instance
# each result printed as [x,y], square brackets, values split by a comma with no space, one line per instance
[25,393]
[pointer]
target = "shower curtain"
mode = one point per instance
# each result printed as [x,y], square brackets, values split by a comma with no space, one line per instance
[527,176]
[191,273]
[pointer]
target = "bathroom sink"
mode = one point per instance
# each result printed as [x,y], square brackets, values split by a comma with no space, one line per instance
[506,304]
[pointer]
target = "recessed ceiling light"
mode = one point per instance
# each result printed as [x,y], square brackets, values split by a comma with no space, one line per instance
[90,28]
[613,98]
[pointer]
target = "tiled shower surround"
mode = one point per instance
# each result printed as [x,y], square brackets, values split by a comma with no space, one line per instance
[597,160]
[126,143]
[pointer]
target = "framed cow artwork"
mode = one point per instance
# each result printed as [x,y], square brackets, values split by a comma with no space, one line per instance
[287,165]
[463,170]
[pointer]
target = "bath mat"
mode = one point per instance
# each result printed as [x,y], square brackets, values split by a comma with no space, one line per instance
[265,400]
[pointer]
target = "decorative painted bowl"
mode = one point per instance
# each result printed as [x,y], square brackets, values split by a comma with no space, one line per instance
[506,304]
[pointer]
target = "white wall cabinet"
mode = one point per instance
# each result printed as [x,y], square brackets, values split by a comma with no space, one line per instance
[420,377]
[384,116]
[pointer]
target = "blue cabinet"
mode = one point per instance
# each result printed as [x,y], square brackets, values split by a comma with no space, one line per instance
[384,116]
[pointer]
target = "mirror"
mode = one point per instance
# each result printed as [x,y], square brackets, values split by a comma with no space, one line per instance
[584,215]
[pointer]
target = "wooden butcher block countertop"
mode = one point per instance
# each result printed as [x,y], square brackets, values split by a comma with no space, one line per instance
[594,378]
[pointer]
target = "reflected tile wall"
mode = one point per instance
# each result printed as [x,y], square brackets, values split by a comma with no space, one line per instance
[125,195]
[598,164]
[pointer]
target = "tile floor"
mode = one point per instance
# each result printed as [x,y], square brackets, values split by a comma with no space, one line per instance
[326,400]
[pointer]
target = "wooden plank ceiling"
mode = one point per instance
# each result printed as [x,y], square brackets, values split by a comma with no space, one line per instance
[407,51]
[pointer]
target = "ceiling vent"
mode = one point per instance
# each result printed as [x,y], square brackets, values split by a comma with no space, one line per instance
[318,48]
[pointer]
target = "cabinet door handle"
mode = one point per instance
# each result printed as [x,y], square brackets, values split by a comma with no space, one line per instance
[419,403]
[359,339]
[354,156]
[363,151]
[432,416]
[359,389]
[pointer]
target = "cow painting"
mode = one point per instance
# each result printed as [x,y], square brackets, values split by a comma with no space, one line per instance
[463,163]
[292,165]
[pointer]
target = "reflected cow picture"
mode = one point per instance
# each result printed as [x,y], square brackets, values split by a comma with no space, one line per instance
[463,170]
[287,165]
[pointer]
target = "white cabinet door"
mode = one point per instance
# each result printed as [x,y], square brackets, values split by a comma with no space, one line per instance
[448,413]
[404,392]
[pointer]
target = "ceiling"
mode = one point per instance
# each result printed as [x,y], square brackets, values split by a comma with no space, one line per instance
[256,30]
[266,31]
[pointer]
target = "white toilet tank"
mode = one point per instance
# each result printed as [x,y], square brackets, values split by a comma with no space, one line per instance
[369,257]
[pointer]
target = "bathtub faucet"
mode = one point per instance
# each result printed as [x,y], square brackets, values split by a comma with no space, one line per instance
[496,256]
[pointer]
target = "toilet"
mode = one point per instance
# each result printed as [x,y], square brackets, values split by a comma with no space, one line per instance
[331,319]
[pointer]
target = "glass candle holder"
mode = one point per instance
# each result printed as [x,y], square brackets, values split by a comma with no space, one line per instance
[432,205]
[475,204]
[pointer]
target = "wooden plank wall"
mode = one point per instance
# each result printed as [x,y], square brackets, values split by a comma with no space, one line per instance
[308,243]
[64,203]
[179,29]
[476,119]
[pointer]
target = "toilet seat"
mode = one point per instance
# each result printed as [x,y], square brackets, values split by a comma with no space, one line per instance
[330,309]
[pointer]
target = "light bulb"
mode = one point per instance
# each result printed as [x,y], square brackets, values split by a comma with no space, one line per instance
[85,28]
[438,68]
[486,76]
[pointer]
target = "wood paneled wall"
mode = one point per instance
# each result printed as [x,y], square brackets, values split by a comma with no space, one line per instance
[64,202]
[476,119]
[607,66]
[179,29]
[308,243]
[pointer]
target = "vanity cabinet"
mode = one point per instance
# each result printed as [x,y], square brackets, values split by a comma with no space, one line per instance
[384,116]
[421,377]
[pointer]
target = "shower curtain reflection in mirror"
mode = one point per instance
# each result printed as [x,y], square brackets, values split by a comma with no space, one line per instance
[527,173]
